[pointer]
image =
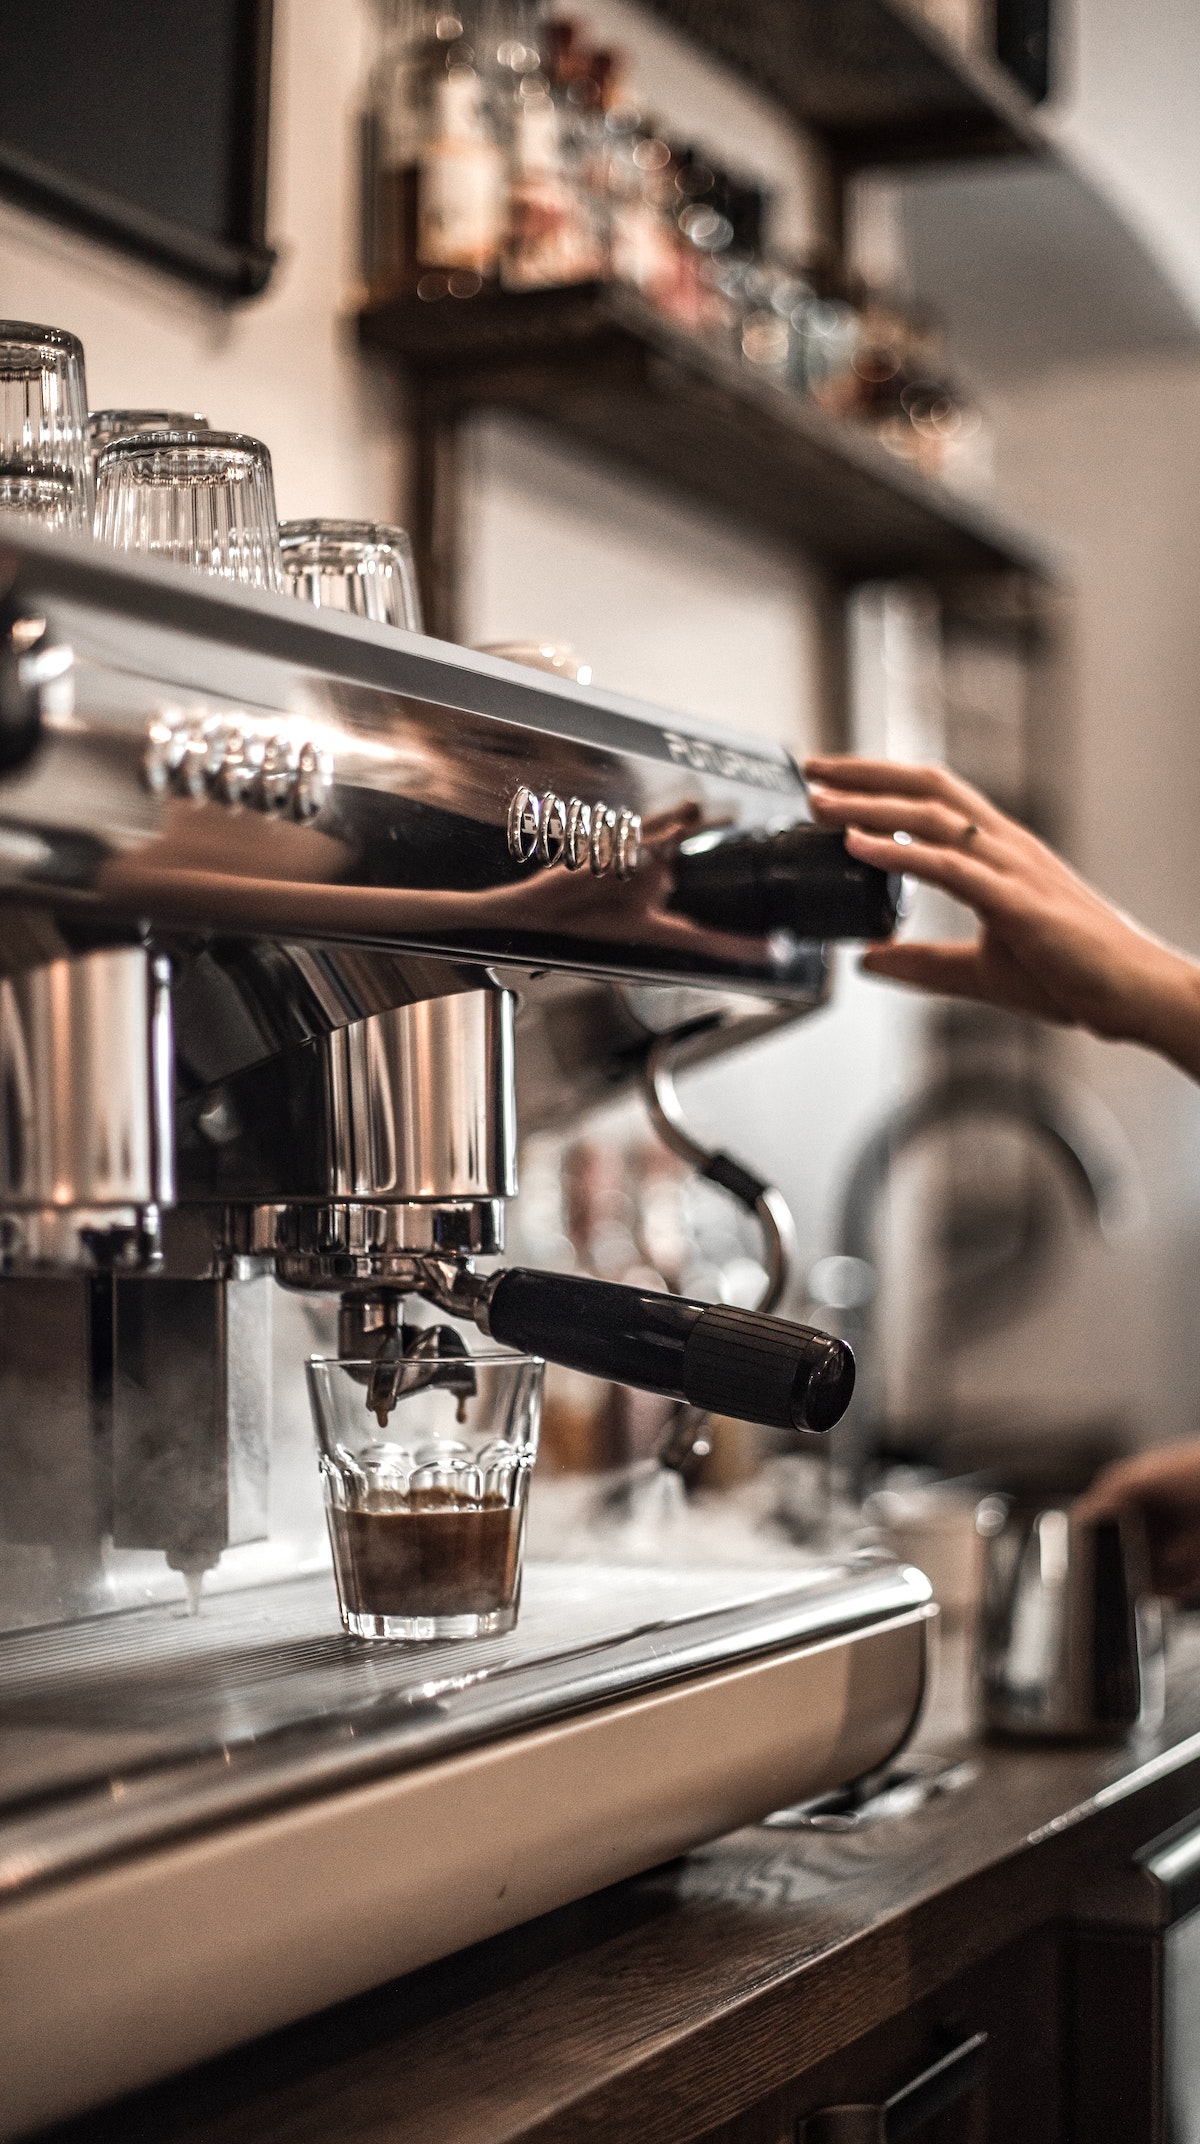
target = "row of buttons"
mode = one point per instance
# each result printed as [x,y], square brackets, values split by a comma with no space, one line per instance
[551,829]
[273,771]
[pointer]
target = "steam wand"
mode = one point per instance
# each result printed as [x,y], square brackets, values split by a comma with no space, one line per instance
[687,1442]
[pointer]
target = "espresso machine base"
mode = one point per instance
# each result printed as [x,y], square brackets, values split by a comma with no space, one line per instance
[208,1836]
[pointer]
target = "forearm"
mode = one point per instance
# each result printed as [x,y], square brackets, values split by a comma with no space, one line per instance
[1165,1009]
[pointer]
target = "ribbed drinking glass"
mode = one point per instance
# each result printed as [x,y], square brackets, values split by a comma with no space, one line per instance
[362,567]
[45,468]
[200,499]
[105,425]
[426,1461]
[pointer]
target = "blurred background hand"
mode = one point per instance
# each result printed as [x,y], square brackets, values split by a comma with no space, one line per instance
[1163,1488]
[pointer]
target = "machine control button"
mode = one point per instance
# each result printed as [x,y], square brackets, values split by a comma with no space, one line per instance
[552,835]
[275,776]
[314,779]
[524,825]
[547,830]
[234,759]
[629,843]
[579,834]
[604,838]
[230,761]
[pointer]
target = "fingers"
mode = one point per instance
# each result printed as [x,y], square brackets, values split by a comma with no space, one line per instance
[1164,1477]
[677,823]
[888,777]
[1175,1567]
[1109,1495]
[957,871]
[951,970]
[925,821]
[983,973]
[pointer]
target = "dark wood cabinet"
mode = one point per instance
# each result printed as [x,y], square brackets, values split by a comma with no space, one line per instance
[1007,2088]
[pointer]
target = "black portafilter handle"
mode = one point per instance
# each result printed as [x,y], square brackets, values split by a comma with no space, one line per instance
[798,878]
[733,1362]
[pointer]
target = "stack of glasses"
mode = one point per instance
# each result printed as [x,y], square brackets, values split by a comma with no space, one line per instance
[161,482]
[45,464]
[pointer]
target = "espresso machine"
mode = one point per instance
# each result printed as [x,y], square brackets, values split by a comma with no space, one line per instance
[297,915]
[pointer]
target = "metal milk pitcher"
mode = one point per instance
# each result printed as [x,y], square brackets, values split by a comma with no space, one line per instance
[1071,1640]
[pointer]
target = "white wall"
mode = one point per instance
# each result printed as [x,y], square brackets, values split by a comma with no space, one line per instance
[660,598]
[1127,107]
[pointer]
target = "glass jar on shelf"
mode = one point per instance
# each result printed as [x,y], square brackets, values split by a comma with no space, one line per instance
[950,438]
[702,218]
[776,295]
[824,337]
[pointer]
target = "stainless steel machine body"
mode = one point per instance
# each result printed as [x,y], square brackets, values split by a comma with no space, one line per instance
[276,891]
[296,915]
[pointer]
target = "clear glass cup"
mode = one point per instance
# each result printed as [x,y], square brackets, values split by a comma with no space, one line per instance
[426,1463]
[363,567]
[105,425]
[45,467]
[200,499]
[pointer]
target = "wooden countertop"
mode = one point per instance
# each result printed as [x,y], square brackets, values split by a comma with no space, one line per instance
[669,2004]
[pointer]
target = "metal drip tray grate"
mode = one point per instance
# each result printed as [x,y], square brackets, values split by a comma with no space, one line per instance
[120,1731]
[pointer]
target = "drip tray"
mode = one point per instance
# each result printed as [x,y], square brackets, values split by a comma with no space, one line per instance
[117,1730]
[313,1814]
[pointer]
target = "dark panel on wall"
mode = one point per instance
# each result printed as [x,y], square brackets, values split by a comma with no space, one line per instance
[144,125]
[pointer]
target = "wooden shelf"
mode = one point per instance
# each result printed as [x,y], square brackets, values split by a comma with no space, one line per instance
[598,366]
[873,78]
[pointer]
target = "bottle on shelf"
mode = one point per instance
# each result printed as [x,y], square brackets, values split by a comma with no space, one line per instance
[506,152]
[878,367]
[439,182]
[704,231]
[825,334]
[896,383]
[776,295]
[554,229]
[642,245]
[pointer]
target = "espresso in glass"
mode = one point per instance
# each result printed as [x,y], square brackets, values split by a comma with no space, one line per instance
[434,1554]
[426,1471]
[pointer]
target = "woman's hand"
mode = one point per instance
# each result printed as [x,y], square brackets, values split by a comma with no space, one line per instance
[1047,943]
[1162,1487]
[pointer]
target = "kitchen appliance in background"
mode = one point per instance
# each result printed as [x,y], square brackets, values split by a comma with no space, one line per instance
[1003,1137]
[304,906]
[1071,1644]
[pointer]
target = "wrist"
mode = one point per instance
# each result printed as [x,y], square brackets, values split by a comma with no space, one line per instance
[1169,1010]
